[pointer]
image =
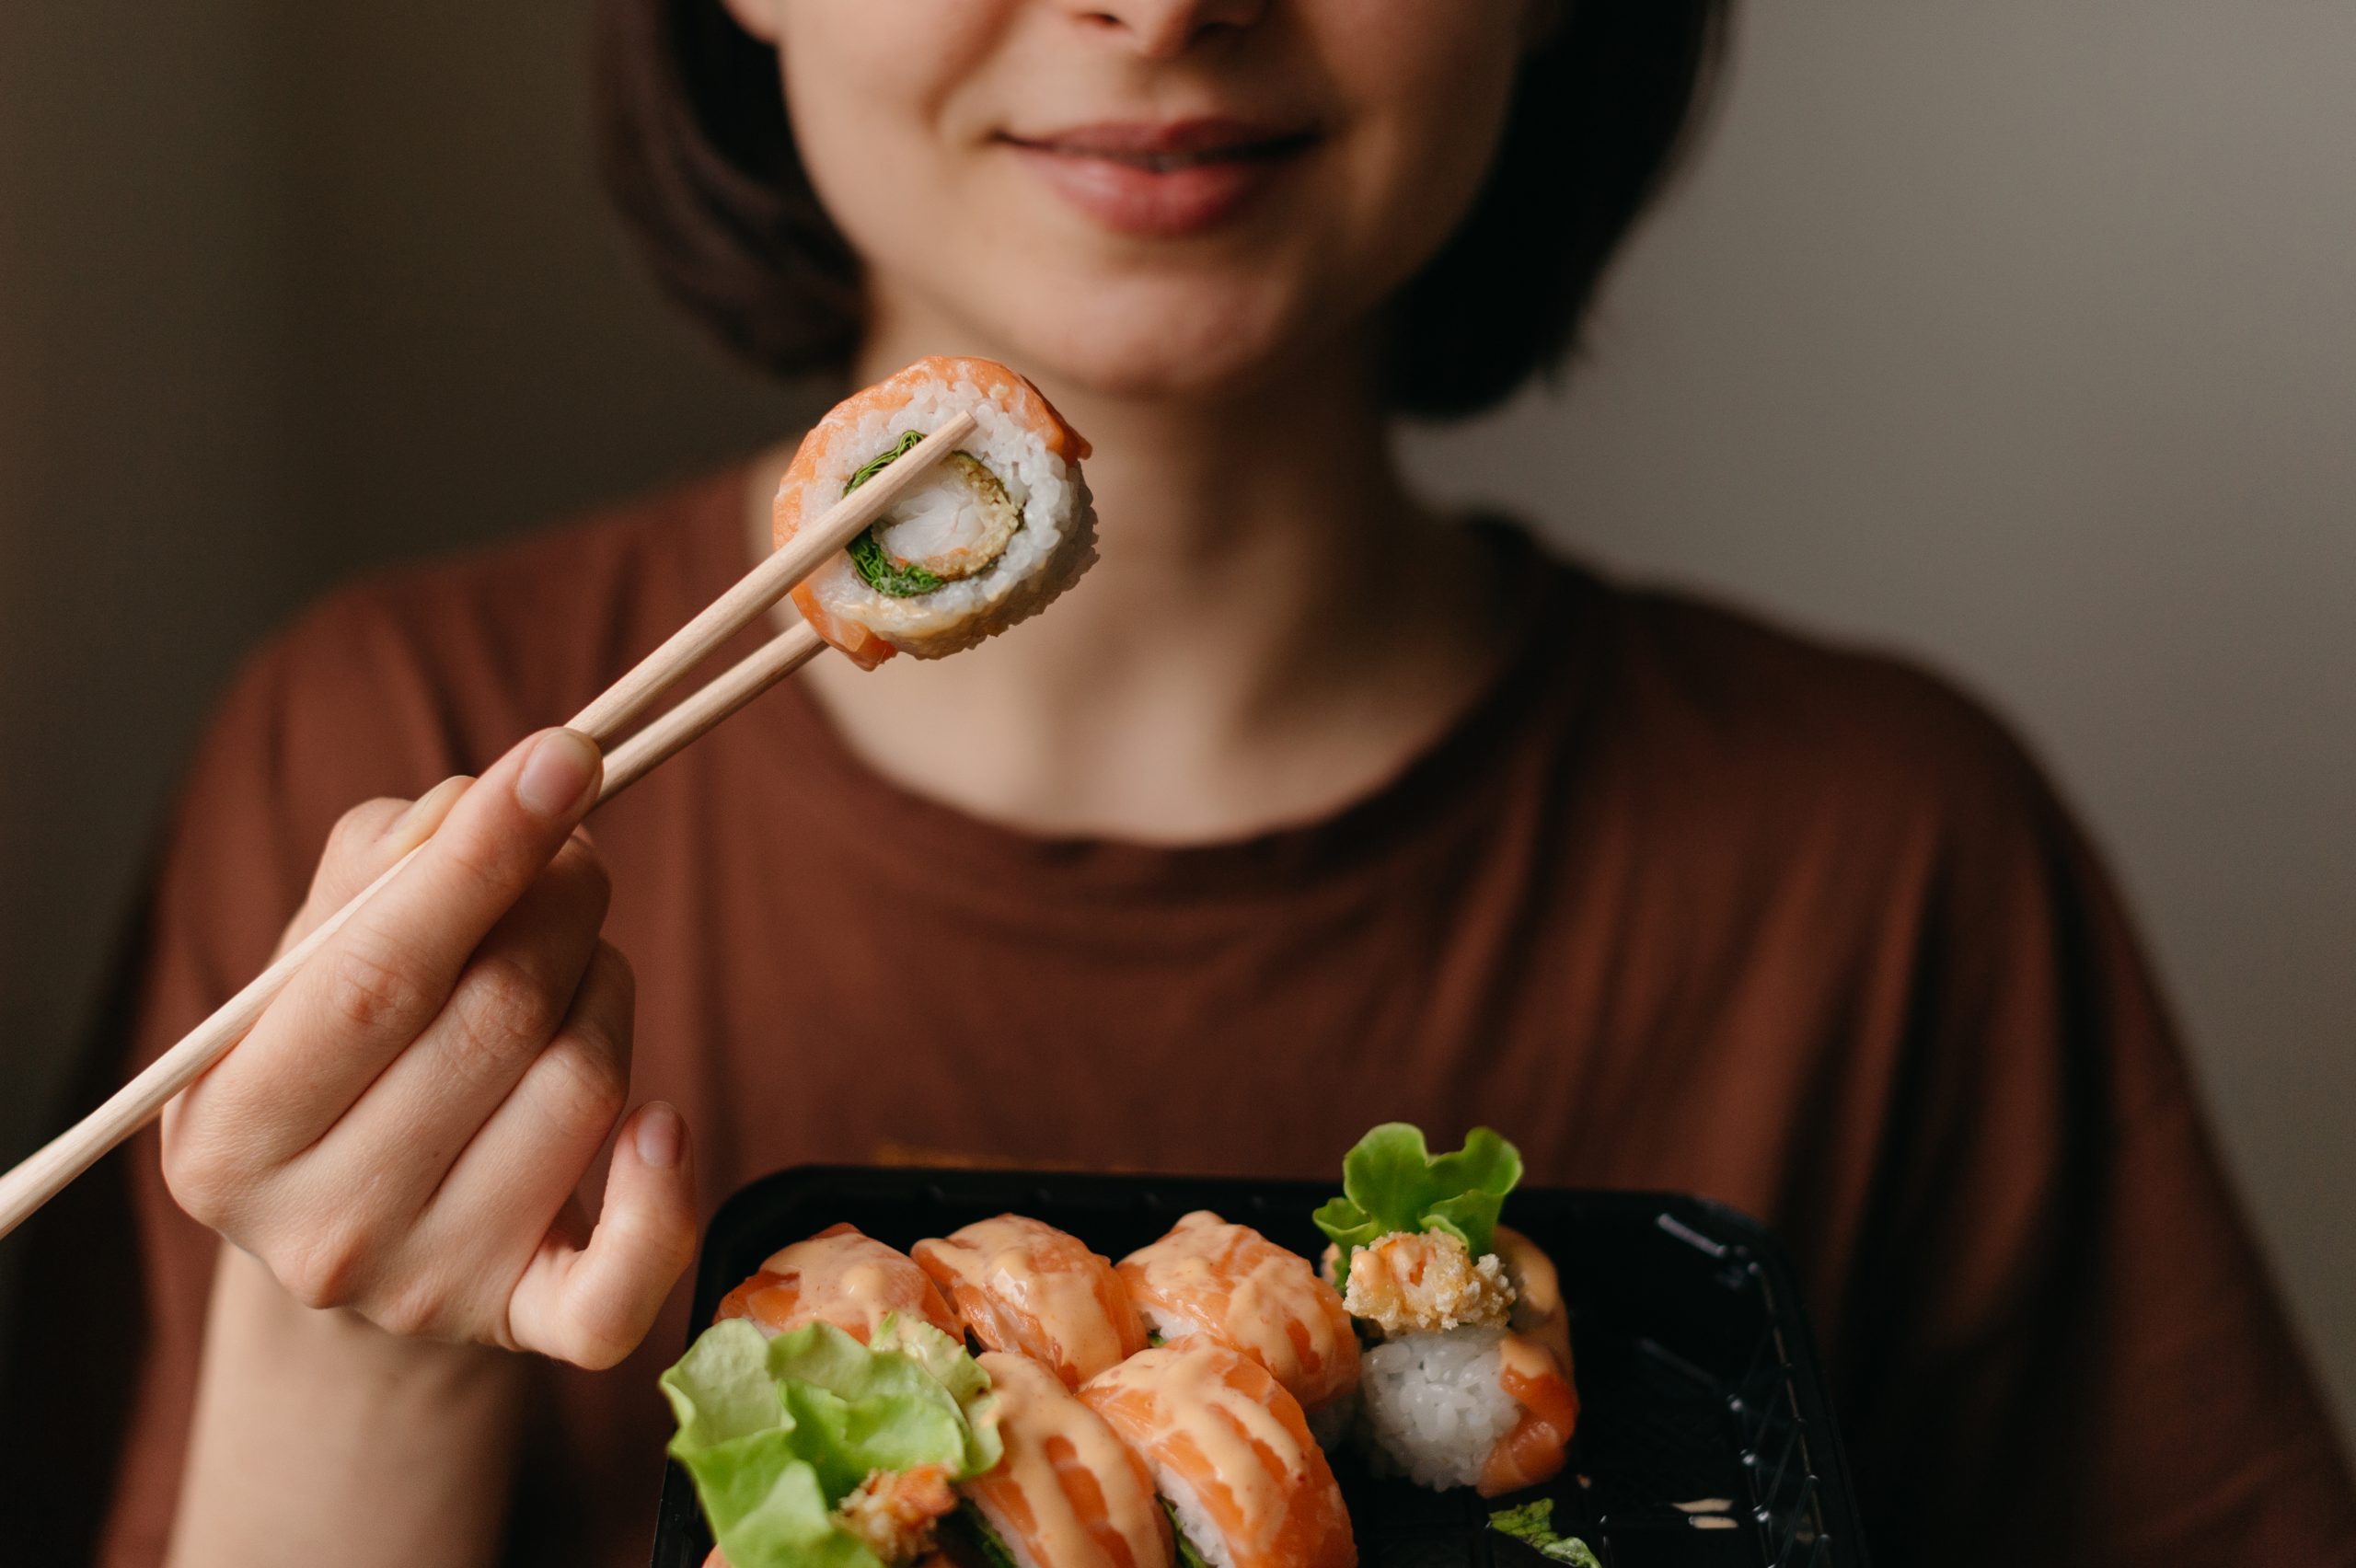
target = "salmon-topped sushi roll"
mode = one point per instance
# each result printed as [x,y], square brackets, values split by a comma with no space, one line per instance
[1470,1383]
[840,1276]
[1068,1493]
[1231,1454]
[988,537]
[1235,1287]
[1028,1287]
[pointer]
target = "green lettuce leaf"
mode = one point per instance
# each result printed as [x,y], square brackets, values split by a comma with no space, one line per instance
[775,1433]
[1533,1524]
[951,1365]
[1391,1181]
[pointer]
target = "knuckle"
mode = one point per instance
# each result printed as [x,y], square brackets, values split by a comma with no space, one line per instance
[419,1307]
[198,1174]
[592,1329]
[505,1006]
[584,1083]
[368,989]
[623,980]
[324,1270]
[360,827]
[597,1346]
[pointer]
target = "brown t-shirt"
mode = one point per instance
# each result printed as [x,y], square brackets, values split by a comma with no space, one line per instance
[1682,903]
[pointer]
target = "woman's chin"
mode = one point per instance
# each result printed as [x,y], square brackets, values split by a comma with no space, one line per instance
[1207,353]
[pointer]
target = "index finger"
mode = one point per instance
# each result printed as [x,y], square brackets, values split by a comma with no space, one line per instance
[376,983]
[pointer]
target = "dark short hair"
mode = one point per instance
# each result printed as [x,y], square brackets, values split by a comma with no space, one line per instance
[695,149]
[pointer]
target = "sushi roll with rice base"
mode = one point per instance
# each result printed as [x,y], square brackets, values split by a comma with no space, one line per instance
[1068,1492]
[1026,1286]
[1469,1383]
[838,1276]
[822,1420]
[1233,1287]
[1231,1454]
[986,538]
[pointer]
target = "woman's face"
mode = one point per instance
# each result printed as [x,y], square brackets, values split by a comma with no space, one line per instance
[1145,198]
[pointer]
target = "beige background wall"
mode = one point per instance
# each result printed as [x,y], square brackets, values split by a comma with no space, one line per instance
[2019,334]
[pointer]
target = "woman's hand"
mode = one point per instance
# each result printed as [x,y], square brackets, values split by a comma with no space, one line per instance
[403,1132]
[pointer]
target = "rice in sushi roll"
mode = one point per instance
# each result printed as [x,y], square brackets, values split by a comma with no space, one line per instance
[1247,1486]
[986,538]
[1023,1285]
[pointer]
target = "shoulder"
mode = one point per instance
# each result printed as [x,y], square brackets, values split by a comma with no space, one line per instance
[409,673]
[1726,713]
[446,662]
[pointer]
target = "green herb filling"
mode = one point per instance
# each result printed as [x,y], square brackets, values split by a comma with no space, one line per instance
[878,568]
[1532,1524]
[993,1545]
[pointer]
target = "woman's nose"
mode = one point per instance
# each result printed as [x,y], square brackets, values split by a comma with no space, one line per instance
[1162,28]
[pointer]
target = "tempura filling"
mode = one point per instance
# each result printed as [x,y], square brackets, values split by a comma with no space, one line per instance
[955,522]
[1426,1282]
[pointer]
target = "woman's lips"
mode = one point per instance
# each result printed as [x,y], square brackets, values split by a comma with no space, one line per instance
[1161,180]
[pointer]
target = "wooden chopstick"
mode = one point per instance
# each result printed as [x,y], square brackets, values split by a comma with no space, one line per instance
[764,586]
[52,1166]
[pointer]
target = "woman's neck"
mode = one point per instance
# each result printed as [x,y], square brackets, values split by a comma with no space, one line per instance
[1273,629]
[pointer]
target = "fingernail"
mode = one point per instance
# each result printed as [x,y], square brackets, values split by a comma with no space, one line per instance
[557,775]
[660,1134]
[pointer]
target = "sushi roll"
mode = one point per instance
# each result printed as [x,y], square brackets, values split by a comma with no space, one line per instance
[1031,1289]
[1068,1493]
[1230,1450]
[1233,1287]
[986,538]
[839,1277]
[1470,1381]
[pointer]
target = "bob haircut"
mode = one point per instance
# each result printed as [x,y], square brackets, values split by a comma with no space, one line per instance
[696,151]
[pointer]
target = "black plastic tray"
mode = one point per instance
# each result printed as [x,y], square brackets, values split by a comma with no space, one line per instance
[1697,1375]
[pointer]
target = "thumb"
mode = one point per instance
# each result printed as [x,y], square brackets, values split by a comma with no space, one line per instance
[591,1304]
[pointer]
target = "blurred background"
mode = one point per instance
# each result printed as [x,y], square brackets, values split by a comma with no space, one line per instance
[2018,336]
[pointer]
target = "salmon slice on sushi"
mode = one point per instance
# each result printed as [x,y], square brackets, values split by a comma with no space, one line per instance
[1233,1287]
[1025,1286]
[1231,1454]
[986,538]
[840,1276]
[1068,1493]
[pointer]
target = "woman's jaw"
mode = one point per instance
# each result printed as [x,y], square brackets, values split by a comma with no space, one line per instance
[1180,222]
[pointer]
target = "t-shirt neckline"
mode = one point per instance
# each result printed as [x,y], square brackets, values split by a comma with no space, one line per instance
[1554,629]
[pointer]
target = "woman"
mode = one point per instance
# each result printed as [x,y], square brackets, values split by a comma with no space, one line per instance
[1308,808]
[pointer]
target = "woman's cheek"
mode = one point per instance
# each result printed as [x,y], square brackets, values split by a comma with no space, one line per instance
[865,91]
[1432,106]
